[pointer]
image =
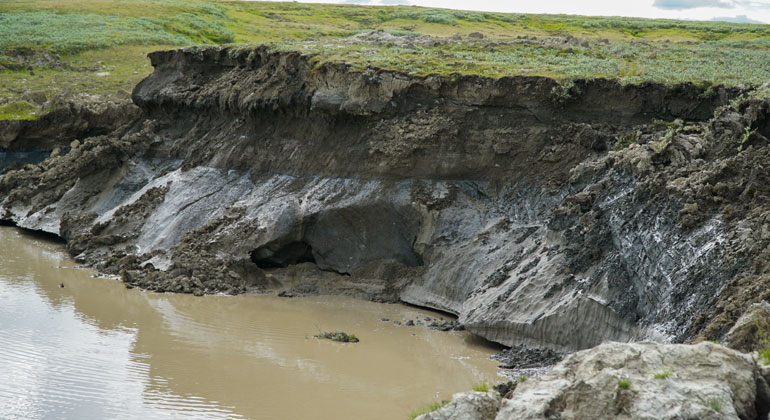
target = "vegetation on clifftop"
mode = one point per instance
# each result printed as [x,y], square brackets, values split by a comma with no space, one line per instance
[17,110]
[99,46]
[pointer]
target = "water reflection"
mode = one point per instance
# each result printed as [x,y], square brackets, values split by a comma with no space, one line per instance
[93,349]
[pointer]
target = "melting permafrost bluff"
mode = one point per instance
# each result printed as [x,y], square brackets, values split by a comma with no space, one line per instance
[93,349]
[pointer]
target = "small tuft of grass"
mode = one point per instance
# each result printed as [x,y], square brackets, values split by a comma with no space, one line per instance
[481,387]
[18,110]
[522,378]
[663,374]
[427,409]
[764,349]
[714,404]
[621,142]
[338,336]
[744,138]
[624,384]
[764,355]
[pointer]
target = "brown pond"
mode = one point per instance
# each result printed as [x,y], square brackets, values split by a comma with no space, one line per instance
[95,350]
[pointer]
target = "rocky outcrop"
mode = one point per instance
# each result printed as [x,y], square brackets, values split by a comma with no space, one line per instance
[635,381]
[644,381]
[752,330]
[467,406]
[541,218]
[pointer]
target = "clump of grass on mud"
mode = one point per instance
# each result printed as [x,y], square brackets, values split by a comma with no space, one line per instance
[338,336]
[427,409]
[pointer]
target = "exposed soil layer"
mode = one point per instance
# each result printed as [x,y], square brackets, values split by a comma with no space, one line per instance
[67,118]
[544,218]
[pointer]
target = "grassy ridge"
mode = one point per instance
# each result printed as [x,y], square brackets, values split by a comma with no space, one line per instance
[302,20]
[99,45]
[708,63]
[70,26]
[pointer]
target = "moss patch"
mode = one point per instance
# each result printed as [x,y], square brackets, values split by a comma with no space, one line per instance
[18,110]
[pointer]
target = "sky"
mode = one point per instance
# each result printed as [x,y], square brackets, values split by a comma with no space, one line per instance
[751,11]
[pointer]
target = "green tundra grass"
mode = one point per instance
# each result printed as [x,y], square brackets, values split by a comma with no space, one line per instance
[100,46]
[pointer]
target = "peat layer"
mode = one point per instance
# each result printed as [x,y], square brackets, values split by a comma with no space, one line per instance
[547,217]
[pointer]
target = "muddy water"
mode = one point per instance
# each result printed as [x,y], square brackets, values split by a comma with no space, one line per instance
[93,349]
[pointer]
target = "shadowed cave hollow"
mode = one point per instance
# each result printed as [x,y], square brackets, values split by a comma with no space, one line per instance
[344,240]
[289,254]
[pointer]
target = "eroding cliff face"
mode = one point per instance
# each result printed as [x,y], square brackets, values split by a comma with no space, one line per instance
[68,118]
[497,200]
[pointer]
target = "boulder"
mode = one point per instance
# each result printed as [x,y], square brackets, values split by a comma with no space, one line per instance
[752,330]
[467,406]
[644,381]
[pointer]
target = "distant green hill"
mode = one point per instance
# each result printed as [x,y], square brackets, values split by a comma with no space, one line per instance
[99,46]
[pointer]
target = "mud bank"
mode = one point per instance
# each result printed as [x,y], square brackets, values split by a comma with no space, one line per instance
[544,218]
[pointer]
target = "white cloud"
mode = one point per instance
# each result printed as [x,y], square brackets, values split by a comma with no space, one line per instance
[736,19]
[692,4]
